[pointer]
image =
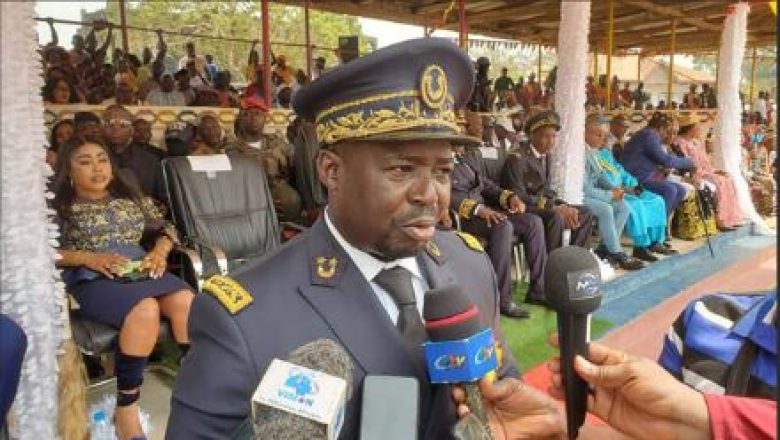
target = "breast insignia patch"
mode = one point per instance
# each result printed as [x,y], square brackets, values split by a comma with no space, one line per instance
[228,292]
[471,241]
[326,266]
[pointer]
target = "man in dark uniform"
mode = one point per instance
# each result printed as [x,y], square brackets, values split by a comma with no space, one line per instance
[497,215]
[359,275]
[528,176]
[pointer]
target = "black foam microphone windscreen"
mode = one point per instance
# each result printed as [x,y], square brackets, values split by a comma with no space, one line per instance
[572,287]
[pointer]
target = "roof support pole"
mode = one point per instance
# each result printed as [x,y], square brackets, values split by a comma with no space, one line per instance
[266,28]
[752,77]
[672,49]
[123,25]
[639,67]
[463,26]
[539,66]
[306,11]
[595,65]
[610,43]
[717,69]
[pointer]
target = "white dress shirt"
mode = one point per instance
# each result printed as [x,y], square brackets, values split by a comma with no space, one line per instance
[370,267]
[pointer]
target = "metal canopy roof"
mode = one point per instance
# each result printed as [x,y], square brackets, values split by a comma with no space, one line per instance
[644,24]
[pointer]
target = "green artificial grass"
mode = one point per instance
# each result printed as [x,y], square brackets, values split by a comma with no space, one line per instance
[527,338]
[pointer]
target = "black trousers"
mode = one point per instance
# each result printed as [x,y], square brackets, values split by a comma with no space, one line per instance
[554,226]
[529,230]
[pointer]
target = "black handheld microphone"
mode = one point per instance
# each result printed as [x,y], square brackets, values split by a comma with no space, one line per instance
[572,287]
[460,349]
[321,355]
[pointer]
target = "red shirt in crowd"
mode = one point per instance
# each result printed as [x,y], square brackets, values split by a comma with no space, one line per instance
[741,418]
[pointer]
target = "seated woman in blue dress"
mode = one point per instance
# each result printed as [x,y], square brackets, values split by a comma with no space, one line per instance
[106,224]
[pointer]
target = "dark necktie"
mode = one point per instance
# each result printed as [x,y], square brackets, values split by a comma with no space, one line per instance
[397,281]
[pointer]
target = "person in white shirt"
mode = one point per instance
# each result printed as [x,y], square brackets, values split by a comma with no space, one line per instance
[166,94]
[759,106]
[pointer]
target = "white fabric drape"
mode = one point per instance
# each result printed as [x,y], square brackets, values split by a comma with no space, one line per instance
[568,166]
[29,288]
[727,154]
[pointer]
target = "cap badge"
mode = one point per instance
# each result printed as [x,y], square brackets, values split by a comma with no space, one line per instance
[433,86]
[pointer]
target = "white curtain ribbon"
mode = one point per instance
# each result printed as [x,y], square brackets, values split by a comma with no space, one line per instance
[30,290]
[568,166]
[727,154]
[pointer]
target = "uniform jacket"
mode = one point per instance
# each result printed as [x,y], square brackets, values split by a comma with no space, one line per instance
[643,154]
[471,188]
[529,178]
[297,300]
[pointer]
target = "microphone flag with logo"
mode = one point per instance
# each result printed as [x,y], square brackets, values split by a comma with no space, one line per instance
[306,396]
[460,349]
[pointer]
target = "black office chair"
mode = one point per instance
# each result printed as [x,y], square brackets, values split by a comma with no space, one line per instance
[95,339]
[224,217]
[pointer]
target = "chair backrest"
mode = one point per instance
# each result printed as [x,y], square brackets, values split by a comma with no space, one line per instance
[231,208]
[312,191]
[492,162]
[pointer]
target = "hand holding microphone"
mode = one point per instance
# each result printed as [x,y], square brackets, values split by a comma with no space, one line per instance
[572,287]
[516,410]
[460,350]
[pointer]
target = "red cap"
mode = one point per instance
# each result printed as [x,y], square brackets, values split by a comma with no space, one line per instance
[254,102]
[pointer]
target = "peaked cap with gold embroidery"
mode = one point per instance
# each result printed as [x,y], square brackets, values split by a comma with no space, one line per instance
[406,91]
[546,118]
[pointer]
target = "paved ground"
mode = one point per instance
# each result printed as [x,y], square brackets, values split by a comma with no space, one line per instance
[644,335]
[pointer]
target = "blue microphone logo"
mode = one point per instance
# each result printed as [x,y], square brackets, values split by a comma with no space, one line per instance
[299,387]
[484,354]
[449,362]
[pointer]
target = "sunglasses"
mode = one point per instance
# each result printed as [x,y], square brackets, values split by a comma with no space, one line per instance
[118,123]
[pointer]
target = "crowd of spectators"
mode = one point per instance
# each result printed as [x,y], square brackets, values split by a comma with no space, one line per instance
[86,74]
[663,170]
[503,93]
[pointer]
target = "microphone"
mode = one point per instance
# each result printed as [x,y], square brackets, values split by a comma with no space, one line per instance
[572,287]
[390,408]
[460,349]
[304,398]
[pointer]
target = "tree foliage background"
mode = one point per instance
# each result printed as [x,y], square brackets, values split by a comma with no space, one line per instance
[235,19]
[766,69]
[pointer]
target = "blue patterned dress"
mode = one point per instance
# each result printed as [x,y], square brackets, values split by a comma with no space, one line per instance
[113,225]
[647,221]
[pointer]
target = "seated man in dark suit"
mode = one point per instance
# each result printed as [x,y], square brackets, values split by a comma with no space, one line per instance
[386,124]
[528,176]
[498,216]
[131,158]
[645,157]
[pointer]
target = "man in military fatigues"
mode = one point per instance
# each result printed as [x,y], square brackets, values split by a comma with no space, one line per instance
[272,151]
[528,175]
[386,123]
